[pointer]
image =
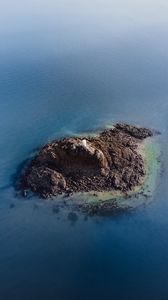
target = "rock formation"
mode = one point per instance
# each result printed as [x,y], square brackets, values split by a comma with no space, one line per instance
[110,161]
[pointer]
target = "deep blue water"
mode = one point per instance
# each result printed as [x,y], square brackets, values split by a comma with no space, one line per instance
[64,68]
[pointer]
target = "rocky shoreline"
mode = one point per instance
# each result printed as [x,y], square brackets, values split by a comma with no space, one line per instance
[111,161]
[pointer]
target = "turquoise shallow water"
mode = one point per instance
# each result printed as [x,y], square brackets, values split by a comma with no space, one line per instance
[67,68]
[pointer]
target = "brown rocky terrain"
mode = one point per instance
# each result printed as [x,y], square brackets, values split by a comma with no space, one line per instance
[110,161]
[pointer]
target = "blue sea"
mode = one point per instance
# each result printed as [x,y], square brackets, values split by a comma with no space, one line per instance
[67,67]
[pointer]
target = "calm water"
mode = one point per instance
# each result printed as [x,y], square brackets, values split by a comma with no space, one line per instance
[65,67]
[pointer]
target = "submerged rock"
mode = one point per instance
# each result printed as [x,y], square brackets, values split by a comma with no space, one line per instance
[109,161]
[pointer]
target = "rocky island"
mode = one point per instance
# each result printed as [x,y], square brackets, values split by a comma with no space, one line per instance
[109,161]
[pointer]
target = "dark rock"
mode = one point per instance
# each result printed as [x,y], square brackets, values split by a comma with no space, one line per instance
[106,162]
[45,181]
[135,131]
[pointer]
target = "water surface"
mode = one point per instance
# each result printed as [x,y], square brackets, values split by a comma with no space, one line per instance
[67,67]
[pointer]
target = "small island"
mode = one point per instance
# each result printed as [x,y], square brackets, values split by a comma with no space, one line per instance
[110,161]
